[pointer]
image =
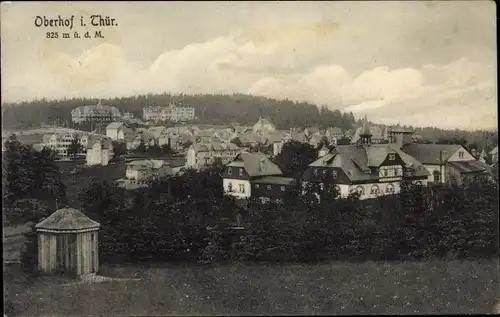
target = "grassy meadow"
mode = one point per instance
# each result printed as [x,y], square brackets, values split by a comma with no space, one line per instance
[444,287]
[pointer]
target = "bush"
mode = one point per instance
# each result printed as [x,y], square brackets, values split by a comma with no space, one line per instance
[29,255]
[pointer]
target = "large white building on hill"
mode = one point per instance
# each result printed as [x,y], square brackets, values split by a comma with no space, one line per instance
[170,113]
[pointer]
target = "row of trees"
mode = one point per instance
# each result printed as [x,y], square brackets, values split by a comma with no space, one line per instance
[31,182]
[213,109]
[169,221]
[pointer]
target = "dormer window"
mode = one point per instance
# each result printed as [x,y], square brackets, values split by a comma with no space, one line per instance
[229,171]
[392,156]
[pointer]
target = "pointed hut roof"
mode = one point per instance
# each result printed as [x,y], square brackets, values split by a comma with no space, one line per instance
[67,219]
[365,130]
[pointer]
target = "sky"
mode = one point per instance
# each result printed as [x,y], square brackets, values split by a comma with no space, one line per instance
[415,63]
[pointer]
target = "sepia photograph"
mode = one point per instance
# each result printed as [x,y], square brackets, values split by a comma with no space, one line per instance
[221,158]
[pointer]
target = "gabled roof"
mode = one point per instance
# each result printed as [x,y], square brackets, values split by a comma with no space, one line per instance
[470,166]
[430,153]
[256,164]
[67,219]
[494,151]
[114,125]
[354,160]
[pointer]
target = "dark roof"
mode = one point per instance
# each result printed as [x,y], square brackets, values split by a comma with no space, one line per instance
[469,166]
[67,219]
[252,164]
[430,153]
[274,180]
[355,159]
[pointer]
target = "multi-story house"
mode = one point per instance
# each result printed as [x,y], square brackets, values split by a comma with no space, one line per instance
[139,173]
[98,114]
[116,130]
[254,175]
[160,135]
[366,168]
[170,113]
[447,163]
[99,151]
[203,154]
[60,143]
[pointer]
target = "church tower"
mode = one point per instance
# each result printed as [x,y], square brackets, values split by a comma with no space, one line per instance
[365,134]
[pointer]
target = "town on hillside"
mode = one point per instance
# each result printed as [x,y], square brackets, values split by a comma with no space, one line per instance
[250,158]
[369,159]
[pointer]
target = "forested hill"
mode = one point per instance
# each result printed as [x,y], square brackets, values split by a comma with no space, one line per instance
[214,109]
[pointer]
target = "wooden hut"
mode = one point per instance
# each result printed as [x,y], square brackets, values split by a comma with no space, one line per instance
[67,242]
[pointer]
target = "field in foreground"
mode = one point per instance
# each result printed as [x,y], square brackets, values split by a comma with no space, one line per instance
[452,287]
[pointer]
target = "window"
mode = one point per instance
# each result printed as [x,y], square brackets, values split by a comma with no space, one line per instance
[385,173]
[374,190]
[229,187]
[389,189]
[391,172]
[269,187]
[241,172]
[418,183]
[461,154]
[392,156]
[334,174]
[242,188]
[399,172]
[324,172]
[256,185]
[315,172]
[360,190]
[282,188]
[436,176]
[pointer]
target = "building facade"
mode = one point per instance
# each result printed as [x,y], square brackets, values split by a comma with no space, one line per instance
[99,152]
[95,113]
[116,130]
[60,143]
[446,163]
[254,175]
[139,173]
[203,154]
[370,170]
[170,113]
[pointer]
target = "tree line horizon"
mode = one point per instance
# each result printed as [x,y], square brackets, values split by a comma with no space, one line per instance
[246,109]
